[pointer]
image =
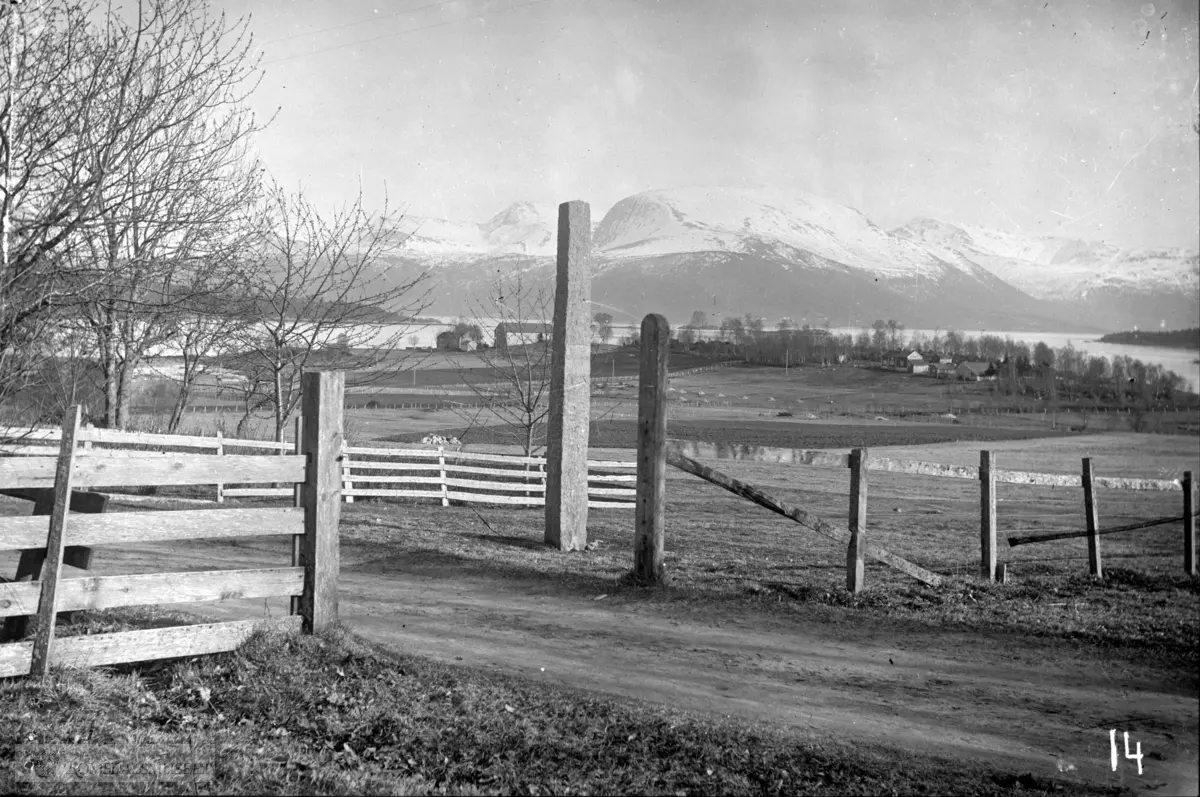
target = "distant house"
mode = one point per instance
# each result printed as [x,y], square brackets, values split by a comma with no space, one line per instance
[942,370]
[917,365]
[904,359]
[522,334]
[975,371]
[454,341]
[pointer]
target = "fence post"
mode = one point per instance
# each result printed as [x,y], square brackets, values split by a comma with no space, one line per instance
[347,476]
[220,453]
[1189,525]
[442,476]
[649,509]
[1089,508]
[321,403]
[298,502]
[87,440]
[987,516]
[855,566]
[55,544]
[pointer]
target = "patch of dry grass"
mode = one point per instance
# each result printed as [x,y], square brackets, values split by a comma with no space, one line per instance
[331,714]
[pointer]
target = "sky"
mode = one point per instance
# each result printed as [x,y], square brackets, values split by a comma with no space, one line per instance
[1043,118]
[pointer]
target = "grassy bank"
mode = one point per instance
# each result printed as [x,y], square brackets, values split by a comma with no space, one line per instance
[332,714]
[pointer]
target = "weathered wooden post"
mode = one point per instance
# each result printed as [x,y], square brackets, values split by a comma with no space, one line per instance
[570,383]
[1189,525]
[855,566]
[220,446]
[445,488]
[55,544]
[1093,525]
[987,516]
[321,404]
[347,478]
[649,510]
[298,502]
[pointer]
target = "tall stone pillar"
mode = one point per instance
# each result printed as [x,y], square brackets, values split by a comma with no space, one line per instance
[570,382]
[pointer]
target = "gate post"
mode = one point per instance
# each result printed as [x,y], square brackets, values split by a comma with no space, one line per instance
[321,404]
[1189,525]
[987,516]
[648,538]
[1093,524]
[570,383]
[855,566]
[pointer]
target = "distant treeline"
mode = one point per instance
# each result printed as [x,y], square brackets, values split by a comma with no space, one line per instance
[1020,368]
[1172,338]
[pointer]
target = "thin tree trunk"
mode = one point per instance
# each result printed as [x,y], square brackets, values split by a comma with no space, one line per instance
[111,377]
[125,389]
[185,393]
[280,415]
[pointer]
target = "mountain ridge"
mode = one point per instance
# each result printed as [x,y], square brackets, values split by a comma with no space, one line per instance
[806,255]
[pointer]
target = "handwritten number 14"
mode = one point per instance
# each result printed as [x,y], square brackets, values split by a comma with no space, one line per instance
[1112,739]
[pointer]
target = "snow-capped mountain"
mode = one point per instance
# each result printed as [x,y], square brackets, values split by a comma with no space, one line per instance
[1095,279]
[1058,268]
[523,228]
[774,253]
[742,220]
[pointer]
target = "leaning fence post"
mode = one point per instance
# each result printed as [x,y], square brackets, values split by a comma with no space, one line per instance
[220,452]
[322,393]
[1189,525]
[55,544]
[445,488]
[649,509]
[855,566]
[987,516]
[1089,508]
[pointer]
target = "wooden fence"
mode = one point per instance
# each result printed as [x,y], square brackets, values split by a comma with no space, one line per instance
[312,576]
[434,473]
[473,478]
[655,451]
[860,461]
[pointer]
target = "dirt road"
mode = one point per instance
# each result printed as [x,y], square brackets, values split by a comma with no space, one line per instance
[1025,706]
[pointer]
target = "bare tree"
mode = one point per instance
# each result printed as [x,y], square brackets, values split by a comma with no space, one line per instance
[179,206]
[604,326]
[205,335]
[321,280]
[515,386]
[95,95]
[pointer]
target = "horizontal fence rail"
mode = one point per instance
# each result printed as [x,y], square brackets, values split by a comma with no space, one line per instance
[143,645]
[831,459]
